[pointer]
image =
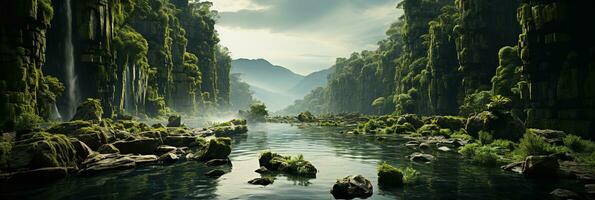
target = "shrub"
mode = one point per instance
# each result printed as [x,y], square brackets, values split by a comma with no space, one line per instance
[410,175]
[27,121]
[531,145]
[484,155]
[462,135]
[485,137]
[578,145]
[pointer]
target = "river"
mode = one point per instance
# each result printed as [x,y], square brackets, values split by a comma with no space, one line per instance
[335,155]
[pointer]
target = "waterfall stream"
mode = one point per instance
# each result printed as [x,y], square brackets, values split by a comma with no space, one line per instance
[71,79]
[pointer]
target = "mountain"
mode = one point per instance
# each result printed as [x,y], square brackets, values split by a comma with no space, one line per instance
[261,73]
[310,82]
[271,84]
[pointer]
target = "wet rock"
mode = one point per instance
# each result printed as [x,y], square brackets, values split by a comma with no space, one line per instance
[169,158]
[103,162]
[389,175]
[352,187]
[262,181]
[279,163]
[421,157]
[143,159]
[90,109]
[502,125]
[216,148]
[262,170]
[514,167]
[541,167]
[306,117]
[174,121]
[563,194]
[216,173]
[82,150]
[411,119]
[181,141]
[424,146]
[41,175]
[444,149]
[138,146]
[163,149]
[551,136]
[107,149]
[217,162]
[412,144]
[41,150]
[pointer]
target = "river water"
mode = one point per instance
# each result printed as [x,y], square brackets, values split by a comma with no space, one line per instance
[334,154]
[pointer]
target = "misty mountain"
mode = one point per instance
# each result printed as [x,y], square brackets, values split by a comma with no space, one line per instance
[261,73]
[310,82]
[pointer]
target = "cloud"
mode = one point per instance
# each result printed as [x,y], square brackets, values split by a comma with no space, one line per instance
[289,32]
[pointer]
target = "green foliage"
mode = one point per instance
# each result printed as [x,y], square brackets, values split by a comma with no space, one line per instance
[45,7]
[499,102]
[462,135]
[475,103]
[257,113]
[578,145]
[485,137]
[532,145]
[27,121]
[483,155]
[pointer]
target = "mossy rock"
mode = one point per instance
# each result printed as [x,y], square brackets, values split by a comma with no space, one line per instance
[216,148]
[42,150]
[174,121]
[389,175]
[306,117]
[411,119]
[89,110]
[449,122]
[108,148]
[87,132]
[429,129]
[502,125]
[287,164]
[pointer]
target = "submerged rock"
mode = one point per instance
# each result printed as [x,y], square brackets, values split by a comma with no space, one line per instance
[541,166]
[421,157]
[514,167]
[352,187]
[262,170]
[216,173]
[262,181]
[444,149]
[217,162]
[563,194]
[138,146]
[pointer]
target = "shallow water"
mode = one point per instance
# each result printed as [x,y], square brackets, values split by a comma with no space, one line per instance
[334,154]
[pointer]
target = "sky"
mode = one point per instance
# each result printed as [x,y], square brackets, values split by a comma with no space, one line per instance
[302,35]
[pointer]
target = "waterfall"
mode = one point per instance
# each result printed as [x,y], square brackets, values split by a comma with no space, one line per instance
[71,79]
[55,113]
[128,101]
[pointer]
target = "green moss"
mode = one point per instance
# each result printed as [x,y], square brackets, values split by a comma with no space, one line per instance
[27,121]
[295,165]
[217,148]
[429,129]
[485,137]
[5,150]
[389,175]
[483,155]
[45,7]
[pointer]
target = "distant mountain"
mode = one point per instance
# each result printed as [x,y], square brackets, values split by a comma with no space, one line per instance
[261,73]
[271,84]
[310,82]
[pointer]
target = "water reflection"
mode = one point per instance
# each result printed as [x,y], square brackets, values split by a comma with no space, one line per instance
[335,155]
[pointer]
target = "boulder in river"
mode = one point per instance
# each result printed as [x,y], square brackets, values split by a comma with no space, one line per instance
[82,150]
[563,194]
[352,187]
[389,175]
[216,173]
[216,148]
[262,170]
[287,164]
[139,146]
[262,181]
[541,166]
[421,157]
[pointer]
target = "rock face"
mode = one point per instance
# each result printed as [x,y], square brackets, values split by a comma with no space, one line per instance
[103,162]
[541,166]
[502,125]
[421,157]
[138,146]
[42,150]
[107,149]
[23,27]
[352,187]
[557,55]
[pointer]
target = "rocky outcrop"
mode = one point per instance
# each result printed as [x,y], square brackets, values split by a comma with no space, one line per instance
[557,53]
[89,110]
[541,167]
[287,164]
[502,125]
[138,146]
[352,187]
[262,181]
